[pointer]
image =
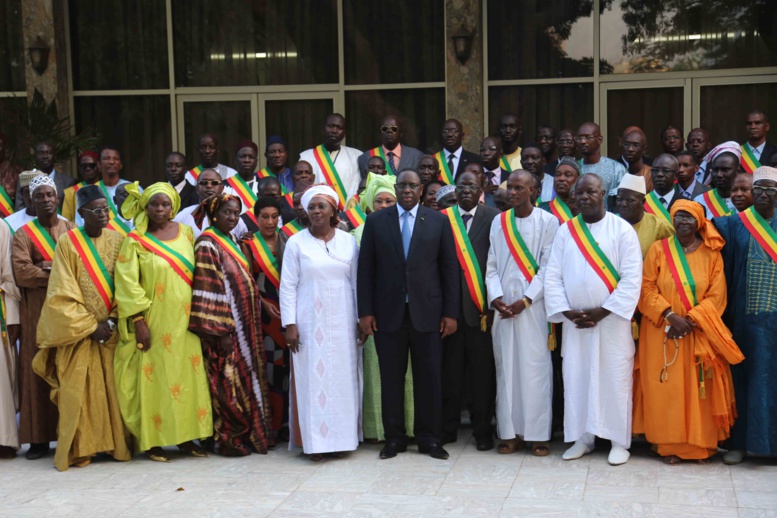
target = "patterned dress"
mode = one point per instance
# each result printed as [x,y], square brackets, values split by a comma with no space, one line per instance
[225,302]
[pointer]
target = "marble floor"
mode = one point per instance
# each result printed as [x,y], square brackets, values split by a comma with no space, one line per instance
[470,483]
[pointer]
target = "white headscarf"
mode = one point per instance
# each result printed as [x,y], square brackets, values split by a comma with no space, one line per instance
[318,190]
[726,147]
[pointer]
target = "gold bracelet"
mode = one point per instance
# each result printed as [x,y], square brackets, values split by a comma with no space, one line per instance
[526,302]
[137,318]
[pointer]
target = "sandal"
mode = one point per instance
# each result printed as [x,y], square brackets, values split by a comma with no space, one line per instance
[192,449]
[540,449]
[157,454]
[708,460]
[337,454]
[509,446]
[316,457]
[672,460]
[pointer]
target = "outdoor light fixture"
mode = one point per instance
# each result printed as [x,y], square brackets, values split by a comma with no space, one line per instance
[39,55]
[462,44]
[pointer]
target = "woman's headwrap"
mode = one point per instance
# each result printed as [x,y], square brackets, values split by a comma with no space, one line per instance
[709,234]
[214,203]
[726,147]
[324,191]
[134,207]
[376,184]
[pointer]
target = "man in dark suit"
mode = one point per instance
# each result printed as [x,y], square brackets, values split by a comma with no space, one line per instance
[757,130]
[468,353]
[663,173]
[175,168]
[456,157]
[409,298]
[687,185]
[492,171]
[44,162]
[398,156]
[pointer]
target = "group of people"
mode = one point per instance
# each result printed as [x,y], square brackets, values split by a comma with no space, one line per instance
[371,296]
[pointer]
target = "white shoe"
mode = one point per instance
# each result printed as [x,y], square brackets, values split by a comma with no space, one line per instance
[733,457]
[618,456]
[576,451]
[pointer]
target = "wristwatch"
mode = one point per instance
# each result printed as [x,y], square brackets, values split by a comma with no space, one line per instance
[111,325]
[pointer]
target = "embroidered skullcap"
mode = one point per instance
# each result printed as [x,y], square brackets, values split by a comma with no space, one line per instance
[319,190]
[633,182]
[726,147]
[247,143]
[39,181]
[26,177]
[88,194]
[765,173]
[444,190]
[275,139]
[571,162]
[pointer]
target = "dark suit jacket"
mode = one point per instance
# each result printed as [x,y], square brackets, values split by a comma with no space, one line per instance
[61,180]
[677,196]
[698,189]
[467,157]
[189,196]
[479,237]
[766,154]
[428,279]
[410,158]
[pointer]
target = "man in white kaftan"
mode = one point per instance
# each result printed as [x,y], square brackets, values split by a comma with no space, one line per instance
[344,158]
[524,372]
[597,344]
[9,432]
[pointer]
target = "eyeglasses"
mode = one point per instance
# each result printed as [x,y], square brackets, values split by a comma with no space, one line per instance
[98,211]
[770,191]
[581,138]
[466,188]
[632,145]
[565,141]
[487,148]
[451,131]
[412,186]
[545,138]
[212,183]
[90,165]
[428,166]
[387,129]
[662,170]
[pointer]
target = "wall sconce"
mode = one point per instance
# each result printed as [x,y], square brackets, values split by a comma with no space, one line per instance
[462,44]
[39,55]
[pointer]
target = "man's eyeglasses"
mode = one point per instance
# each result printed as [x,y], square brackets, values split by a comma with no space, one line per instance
[90,165]
[464,188]
[427,166]
[487,148]
[389,129]
[212,183]
[632,145]
[412,186]
[453,131]
[98,211]
[662,170]
[565,141]
[770,191]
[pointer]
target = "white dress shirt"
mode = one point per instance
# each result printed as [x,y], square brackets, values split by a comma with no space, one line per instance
[468,225]
[456,157]
[668,197]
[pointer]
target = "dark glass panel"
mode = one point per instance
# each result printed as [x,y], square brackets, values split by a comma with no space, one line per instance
[11,46]
[724,110]
[228,121]
[298,122]
[652,109]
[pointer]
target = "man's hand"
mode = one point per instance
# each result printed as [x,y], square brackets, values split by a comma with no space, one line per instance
[142,335]
[46,265]
[680,326]
[368,326]
[448,326]
[501,307]
[102,333]
[292,338]
[517,307]
[576,317]
[591,317]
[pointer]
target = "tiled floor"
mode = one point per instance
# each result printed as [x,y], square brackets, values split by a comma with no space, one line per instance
[470,483]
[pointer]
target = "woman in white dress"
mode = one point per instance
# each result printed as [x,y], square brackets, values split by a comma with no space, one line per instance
[318,310]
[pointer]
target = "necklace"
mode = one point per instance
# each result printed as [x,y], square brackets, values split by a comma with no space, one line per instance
[693,246]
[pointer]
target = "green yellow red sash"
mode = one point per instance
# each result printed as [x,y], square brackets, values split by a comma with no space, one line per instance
[265,259]
[517,246]
[78,186]
[378,151]
[446,175]
[227,244]
[266,173]
[356,216]
[505,164]
[749,162]
[330,173]
[41,239]
[6,205]
[761,231]
[653,206]
[681,272]
[716,204]
[467,259]
[243,191]
[195,172]
[181,265]
[560,209]
[94,265]
[292,227]
[109,198]
[117,225]
[593,254]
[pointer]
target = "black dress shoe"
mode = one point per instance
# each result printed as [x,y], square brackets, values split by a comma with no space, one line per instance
[37,451]
[391,449]
[435,451]
[485,444]
[449,439]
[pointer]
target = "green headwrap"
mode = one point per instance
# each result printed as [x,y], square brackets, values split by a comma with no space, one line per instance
[376,184]
[134,207]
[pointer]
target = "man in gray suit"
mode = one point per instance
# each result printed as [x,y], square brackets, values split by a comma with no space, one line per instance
[397,155]
[44,162]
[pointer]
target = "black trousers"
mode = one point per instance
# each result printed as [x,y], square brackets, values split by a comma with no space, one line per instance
[468,357]
[426,355]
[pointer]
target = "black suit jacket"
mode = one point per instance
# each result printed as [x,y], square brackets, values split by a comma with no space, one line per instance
[428,279]
[189,196]
[467,157]
[479,237]
[766,154]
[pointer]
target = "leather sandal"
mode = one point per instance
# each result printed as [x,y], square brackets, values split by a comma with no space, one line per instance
[540,449]
[508,446]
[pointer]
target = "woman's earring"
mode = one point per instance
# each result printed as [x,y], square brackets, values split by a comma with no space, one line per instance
[215,219]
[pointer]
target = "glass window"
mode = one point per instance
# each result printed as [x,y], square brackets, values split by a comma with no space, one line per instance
[228,121]
[652,109]
[118,45]
[298,122]
[559,106]
[394,42]
[675,36]
[421,112]
[724,109]
[138,125]
[530,39]
[255,42]
[11,46]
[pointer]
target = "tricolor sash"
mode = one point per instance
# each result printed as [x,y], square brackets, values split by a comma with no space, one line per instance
[378,151]
[681,272]
[467,259]
[517,246]
[265,259]
[749,162]
[181,265]
[265,173]
[761,231]
[292,227]
[6,205]
[653,206]
[356,216]
[227,244]
[593,254]
[41,239]
[505,164]
[243,191]
[560,209]
[109,199]
[330,173]
[195,172]
[94,265]
[716,204]
[446,175]
[78,186]
[117,225]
